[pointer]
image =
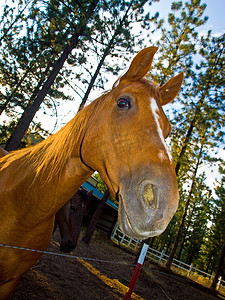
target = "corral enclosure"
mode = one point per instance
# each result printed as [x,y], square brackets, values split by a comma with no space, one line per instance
[60,278]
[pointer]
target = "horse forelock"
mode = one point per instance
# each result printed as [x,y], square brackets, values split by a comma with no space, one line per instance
[150,85]
[152,88]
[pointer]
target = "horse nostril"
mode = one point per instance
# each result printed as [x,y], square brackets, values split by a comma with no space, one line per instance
[67,247]
[149,195]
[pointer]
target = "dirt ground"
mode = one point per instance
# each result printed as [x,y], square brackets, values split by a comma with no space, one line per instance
[59,278]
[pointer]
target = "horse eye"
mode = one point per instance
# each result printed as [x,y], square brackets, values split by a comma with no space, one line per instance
[124,103]
[72,208]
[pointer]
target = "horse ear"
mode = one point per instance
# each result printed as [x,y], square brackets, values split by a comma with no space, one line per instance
[141,64]
[171,89]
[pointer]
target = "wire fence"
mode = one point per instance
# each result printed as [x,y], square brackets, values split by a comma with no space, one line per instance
[133,245]
[67,255]
[180,267]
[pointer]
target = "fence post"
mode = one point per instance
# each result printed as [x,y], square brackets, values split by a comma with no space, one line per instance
[218,283]
[114,232]
[130,241]
[122,239]
[161,256]
[136,271]
[189,273]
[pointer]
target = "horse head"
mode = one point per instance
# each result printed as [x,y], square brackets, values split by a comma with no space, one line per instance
[124,141]
[69,219]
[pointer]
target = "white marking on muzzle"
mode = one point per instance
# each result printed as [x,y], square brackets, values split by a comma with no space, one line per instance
[155,112]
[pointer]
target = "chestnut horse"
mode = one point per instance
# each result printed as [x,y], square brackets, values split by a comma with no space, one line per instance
[122,136]
[69,219]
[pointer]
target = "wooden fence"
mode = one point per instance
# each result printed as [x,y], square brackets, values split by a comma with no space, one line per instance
[180,267]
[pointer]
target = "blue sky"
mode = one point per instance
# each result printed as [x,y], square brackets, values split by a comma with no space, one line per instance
[215,11]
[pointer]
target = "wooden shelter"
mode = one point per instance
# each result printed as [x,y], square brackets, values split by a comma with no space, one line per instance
[109,214]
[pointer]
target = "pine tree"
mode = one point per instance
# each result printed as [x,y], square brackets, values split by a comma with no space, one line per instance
[50,27]
[219,229]
[29,113]
[177,43]
[117,32]
[219,270]
[178,235]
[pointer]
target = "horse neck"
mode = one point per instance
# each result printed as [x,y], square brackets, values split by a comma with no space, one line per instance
[49,173]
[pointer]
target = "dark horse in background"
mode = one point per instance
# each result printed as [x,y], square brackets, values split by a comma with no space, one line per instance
[69,219]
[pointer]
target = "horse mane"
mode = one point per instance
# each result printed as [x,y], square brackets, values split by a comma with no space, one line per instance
[48,158]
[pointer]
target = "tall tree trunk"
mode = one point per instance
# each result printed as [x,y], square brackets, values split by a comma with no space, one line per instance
[33,108]
[92,225]
[177,238]
[197,111]
[16,19]
[106,52]
[190,257]
[181,248]
[186,230]
[151,241]
[219,270]
[189,134]
[208,263]
[15,140]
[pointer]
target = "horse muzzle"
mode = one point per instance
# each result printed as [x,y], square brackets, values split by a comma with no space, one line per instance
[147,210]
[67,246]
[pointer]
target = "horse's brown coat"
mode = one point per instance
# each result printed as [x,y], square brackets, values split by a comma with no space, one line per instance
[127,148]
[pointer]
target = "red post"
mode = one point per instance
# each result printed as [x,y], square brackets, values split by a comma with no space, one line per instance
[136,271]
